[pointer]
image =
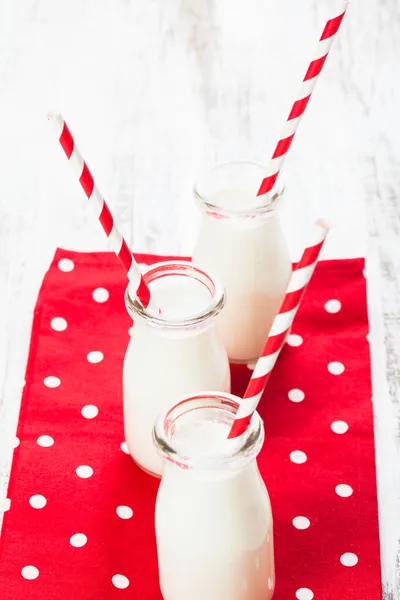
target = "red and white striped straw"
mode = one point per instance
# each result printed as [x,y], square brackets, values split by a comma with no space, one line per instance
[310,79]
[116,240]
[299,280]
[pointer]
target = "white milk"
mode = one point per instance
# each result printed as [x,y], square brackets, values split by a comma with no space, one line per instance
[251,259]
[213,527]
[164,363]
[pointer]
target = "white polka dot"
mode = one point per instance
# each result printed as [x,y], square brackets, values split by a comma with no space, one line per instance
[6,505]
[270,583]
[101,295]
[37,501]
[95,356]
[339,427]
[296,395]
[59,324]
[251,366]
[344,490]
[348,559]
[78,540]
[304,594]
[52,382]
[124,447]
[124,512]
[301,522]
[30,572]
[45,441]
[65,264]
[90,411]
[120,581]
[16,441]
[333,306]
[130,330]
[336,368]
[84,471]
[298,457]
[367,336]
[294,340]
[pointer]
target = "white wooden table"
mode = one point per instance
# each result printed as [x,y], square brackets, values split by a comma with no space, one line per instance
[156,90]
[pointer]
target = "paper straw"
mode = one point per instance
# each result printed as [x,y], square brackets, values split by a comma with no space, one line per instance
[299,106]
[103,213]
[299,280]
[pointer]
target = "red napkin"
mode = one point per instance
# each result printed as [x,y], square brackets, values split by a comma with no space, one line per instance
[80,525]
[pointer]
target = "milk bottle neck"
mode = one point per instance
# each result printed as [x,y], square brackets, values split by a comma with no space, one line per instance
[192,438]
[184,298]
[228,192]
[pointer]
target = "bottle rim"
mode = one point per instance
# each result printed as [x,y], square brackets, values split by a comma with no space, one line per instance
[267,207]
[180,268]
[238,452]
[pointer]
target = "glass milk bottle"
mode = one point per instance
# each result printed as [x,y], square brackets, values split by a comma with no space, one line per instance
[172,353]
[213,515]
[241,241]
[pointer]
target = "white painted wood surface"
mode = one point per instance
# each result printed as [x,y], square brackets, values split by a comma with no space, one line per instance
[157,90]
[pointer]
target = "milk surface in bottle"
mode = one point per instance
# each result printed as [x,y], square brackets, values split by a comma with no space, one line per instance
[174,350]
[240,239]
[213,515]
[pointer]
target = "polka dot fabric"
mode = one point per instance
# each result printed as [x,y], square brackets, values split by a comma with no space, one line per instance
[80,521]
